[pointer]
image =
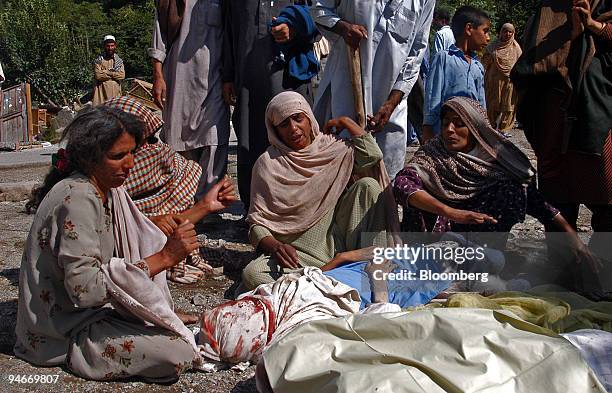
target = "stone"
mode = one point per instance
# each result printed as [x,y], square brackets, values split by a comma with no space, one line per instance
[199,300]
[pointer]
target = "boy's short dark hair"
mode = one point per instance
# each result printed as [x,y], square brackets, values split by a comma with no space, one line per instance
[467,14]
[442,13]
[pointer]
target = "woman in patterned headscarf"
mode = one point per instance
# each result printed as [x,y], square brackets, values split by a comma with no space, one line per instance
[472,179]
[498,61]
[163,185]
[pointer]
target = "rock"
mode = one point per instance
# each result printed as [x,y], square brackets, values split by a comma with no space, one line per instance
[199,300]
[62,119]
[15,192]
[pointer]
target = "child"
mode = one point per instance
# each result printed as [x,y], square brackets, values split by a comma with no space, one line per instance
[457,71]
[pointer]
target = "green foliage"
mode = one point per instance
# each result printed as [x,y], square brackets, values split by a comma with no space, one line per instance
[52,43]
[133,26]
[516,12]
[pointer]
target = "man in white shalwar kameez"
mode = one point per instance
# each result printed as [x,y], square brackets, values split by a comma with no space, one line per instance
[186,55]
[392,36]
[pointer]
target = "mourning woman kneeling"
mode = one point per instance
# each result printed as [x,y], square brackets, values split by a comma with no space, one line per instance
[92,287]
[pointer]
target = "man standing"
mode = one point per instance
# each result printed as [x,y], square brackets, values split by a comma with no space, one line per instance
[108,72]
[444,36]
[186,57]
[392,38]
[255,70]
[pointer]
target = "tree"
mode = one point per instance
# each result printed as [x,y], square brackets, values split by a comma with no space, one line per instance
[38,48]
[52,43]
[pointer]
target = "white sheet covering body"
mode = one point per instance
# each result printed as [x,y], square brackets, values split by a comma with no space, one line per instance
[437,350]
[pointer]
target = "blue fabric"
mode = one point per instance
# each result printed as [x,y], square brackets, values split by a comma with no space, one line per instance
[297,53]
[452,75]
[404,293]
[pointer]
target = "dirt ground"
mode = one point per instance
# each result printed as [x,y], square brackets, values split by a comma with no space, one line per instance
[208,293]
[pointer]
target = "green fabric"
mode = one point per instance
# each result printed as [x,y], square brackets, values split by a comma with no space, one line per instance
[359,211]
[561,312]
[367,154]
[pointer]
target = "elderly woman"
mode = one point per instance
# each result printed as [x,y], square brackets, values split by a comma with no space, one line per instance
[303,210]
[472,179]
[92,287]
[498,60]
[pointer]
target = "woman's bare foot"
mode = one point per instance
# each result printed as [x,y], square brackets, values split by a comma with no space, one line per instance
[187,319]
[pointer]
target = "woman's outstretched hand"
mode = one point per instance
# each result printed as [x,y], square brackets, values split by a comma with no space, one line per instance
[166,222]
[469,217]
[220,196]
[335,126]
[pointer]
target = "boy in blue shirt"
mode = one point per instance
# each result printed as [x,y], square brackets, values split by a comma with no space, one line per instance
[457,71]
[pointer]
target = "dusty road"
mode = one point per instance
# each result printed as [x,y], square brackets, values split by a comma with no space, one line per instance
[14,228]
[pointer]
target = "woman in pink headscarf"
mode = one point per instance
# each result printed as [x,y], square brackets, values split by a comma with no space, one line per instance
[304,207]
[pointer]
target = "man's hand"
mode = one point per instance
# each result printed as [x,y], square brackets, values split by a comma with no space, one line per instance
[166,222]
[159,84]
[469,217]
[229,94]
[381,118]
[220,196]
[352,34]
[282,33]
[341,258]
[159,91]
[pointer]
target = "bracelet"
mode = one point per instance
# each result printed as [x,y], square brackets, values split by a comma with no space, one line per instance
[603,27]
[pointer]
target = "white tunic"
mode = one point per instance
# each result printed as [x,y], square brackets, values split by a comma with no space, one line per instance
[398,31]
[194,113]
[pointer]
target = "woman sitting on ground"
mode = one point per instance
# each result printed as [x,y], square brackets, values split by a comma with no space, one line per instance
[163,186]
[472,179]
[303,210]
[92,286]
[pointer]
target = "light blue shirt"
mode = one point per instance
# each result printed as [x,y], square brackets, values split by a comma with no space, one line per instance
[452,75]
[443,40]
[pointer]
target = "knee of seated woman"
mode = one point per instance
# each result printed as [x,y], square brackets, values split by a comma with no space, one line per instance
[367,185]
[259,271]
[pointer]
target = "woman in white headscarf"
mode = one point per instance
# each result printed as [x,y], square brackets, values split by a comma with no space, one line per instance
[303,209]
[498,60]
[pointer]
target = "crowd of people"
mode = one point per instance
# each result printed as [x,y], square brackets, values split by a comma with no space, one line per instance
[321,172]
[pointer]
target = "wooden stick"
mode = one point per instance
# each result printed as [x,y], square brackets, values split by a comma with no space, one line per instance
[355,70]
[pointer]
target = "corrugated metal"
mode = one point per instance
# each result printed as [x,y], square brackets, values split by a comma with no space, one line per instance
[14,115]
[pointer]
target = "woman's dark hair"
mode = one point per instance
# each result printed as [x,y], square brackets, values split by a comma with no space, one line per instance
[467,14]
[88,137]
